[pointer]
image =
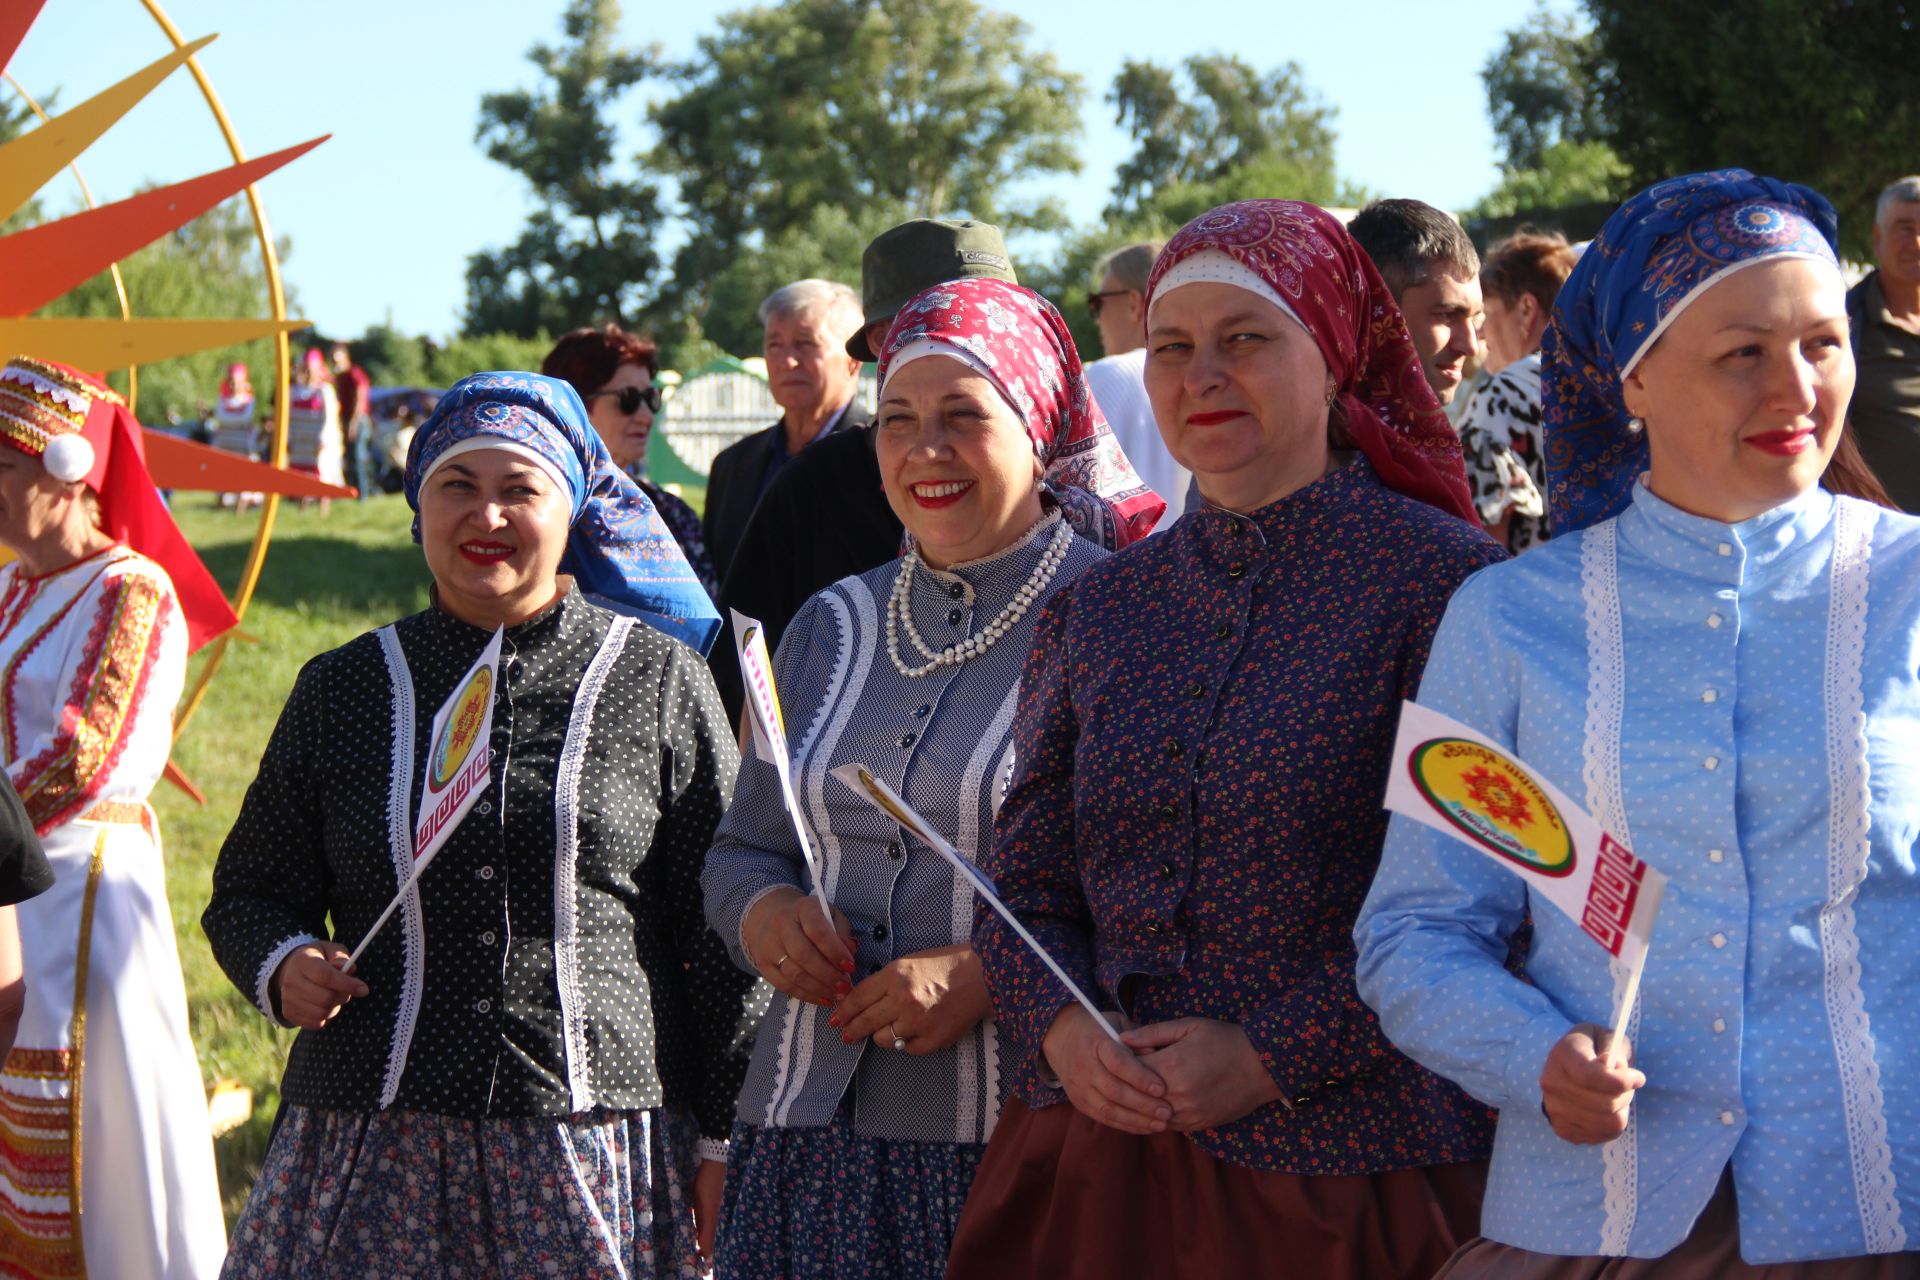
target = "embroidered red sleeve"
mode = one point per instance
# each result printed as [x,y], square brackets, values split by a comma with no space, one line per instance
[109,684]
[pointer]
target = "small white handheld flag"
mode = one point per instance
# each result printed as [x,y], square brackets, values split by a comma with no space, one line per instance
[882,797]
[458,771]
[770,733]
[1456,781]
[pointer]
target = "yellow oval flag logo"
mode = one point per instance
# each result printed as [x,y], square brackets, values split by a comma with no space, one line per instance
[463,730]
[1494,802]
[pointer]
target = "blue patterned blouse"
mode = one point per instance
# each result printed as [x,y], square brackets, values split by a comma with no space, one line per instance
[1742,703]
[1195,813]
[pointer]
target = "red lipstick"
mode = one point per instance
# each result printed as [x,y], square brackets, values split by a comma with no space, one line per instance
[481,551]
[1783,444]
[1213,417]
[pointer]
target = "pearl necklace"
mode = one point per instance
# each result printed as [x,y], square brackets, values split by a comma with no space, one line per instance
[900,609]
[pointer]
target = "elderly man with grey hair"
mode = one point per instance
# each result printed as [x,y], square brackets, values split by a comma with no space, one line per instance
[1883,311]
[813,380]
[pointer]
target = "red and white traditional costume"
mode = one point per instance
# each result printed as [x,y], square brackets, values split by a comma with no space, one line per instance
[106,1163]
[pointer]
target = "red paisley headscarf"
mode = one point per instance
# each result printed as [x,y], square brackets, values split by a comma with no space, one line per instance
[1019,341]
[1305,255]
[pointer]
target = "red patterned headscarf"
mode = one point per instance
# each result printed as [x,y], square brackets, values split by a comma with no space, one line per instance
[1017,339]
[1305,256]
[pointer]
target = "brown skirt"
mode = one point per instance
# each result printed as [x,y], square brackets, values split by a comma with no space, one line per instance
[1061,1196]
[1711,1251]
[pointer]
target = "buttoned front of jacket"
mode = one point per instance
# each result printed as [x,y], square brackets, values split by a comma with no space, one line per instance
[1195,814]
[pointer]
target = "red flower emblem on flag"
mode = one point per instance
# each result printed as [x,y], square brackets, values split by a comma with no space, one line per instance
[1494,793]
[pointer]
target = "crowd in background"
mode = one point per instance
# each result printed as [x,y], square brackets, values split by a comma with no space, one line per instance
[1133,635]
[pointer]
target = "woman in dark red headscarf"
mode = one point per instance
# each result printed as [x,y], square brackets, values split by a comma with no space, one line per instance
[1194,815]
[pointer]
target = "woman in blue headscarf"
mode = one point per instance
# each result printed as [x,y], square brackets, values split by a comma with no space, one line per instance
[532,1067]
[1719,656]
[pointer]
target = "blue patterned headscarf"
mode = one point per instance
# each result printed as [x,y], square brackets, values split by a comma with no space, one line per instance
[618,550]
[1656,254]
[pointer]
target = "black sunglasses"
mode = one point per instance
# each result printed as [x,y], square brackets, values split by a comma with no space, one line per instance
[1097,300]
[631,398]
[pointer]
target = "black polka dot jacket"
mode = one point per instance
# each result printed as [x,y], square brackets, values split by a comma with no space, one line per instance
[555,958]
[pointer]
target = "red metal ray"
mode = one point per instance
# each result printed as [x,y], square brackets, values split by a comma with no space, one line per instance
[16,19]
[41,263]
[182,464]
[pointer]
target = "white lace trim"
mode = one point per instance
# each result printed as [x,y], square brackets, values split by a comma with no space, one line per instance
[1606,800]
[261,995]
[1862,1101]
[990,1077]
[851,666]
[975,783]
[714,1149]
[566,858]
[413,928]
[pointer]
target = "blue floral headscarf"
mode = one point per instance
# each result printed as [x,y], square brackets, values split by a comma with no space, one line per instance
[618,549]
[1656,253]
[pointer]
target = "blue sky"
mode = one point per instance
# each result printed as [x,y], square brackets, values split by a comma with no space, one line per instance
[382,217]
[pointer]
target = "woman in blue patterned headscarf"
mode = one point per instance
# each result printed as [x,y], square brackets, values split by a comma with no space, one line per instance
[532,1068]
[620,551]
[1720,659]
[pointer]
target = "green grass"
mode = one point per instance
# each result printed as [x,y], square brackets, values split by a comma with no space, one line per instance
[327,580]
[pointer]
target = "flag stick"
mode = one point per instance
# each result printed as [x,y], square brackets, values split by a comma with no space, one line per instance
[1624,1014]
[388,913]
[882,797]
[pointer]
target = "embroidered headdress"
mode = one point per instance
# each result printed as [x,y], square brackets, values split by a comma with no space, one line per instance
[1657,253]
[1019,342]
[1314,271]
[81,430]
[618,548]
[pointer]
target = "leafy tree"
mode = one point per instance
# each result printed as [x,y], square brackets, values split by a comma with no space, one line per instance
[1567,173]
[1233,119]
[480,353]
[390,357]
[914,107]
[208,269]
[587,253]
[1545,85]
[1825,92]
[827,245]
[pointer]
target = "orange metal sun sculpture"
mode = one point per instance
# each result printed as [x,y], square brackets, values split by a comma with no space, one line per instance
[43,262]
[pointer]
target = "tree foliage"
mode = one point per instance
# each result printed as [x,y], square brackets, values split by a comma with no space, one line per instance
[588,252]
[1567,173]
[1545,84]
[1227,118]
[907,108]
[1825,92]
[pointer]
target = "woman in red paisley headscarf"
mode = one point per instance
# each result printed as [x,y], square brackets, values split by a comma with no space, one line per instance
[1194,814]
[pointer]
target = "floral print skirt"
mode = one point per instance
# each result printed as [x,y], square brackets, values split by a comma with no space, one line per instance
[830,1204]
[404,1193]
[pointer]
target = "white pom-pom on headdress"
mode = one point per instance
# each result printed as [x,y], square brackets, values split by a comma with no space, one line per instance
[68,458]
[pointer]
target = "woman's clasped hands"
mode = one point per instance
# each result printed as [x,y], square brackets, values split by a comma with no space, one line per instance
[1183,1075]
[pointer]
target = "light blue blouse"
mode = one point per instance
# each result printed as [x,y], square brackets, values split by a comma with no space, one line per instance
[1742,704]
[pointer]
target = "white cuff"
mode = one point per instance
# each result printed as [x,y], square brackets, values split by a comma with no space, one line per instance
[262,996]
[714,1149]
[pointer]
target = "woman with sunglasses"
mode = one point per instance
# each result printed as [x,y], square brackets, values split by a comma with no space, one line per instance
[613,371]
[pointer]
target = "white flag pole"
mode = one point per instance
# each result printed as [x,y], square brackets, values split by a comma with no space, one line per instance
[418,866]
[882,797]
[1616,1058]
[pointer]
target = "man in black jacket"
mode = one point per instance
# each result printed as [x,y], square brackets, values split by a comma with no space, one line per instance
[825,515]
[814,382]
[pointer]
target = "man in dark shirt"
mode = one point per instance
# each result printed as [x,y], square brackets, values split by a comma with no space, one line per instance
[1883,312]
[813,380]
[825,515]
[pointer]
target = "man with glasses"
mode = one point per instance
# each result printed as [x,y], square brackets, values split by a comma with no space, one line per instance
[1117,381]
